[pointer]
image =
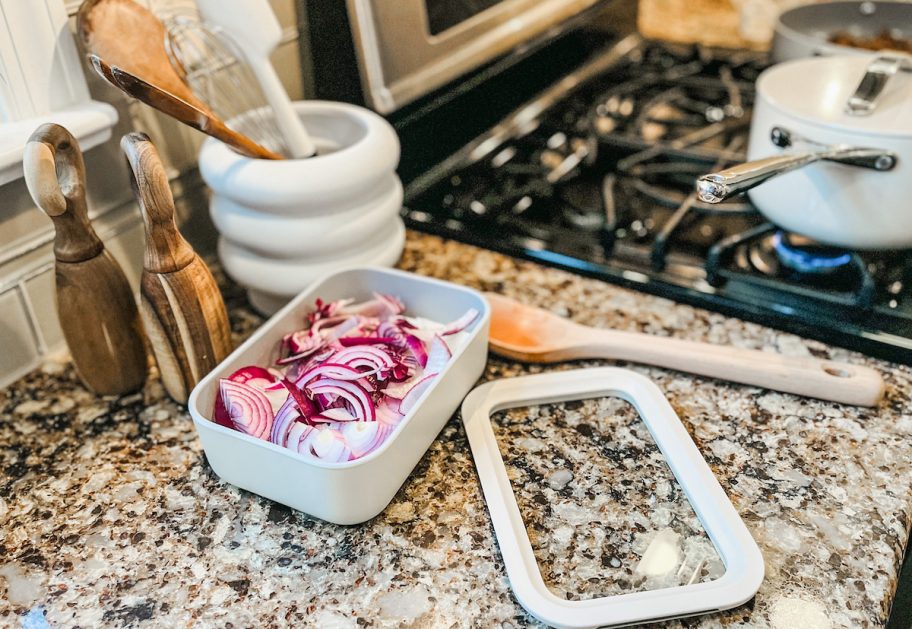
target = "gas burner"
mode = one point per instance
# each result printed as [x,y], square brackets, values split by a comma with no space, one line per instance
[802,255]
[792,257]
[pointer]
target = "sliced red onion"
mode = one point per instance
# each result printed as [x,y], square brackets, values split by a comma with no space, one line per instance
[285,419]
[347,325]
[397,390]
[333,370]
[252,375]
[338,415]
[277,394]
[380,307]
[305,406]
[416,347]
[220,413]
[392,301]
[374,358]
[358,399]
[364,437]
[439,355]
[296,439]
[349,341]
[408,402]
[328,445]
[248,408]
[403,323]
[461,323]
[302,343]
[388,414]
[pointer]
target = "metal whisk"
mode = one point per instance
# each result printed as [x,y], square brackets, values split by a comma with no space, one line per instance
[214,68]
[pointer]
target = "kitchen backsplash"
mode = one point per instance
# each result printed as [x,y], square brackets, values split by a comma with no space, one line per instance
[28,322]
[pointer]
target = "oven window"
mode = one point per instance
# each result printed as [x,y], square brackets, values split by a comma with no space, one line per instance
[444,14]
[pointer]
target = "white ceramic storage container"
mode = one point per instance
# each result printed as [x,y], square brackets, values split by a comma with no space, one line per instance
[355,491]
[285,223]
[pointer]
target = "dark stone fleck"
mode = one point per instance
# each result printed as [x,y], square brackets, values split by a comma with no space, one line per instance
[240,586]
[284,561]
[130,615]
[278,513]
[137,537]
[203,542]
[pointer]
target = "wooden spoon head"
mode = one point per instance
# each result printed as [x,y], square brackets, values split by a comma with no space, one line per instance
[527,333]
[127,35]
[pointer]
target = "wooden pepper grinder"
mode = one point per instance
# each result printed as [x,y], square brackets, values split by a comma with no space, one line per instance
[181,306]
[95,304]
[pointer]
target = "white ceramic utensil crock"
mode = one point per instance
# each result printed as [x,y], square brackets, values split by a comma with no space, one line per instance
[285,223]
[355,491]
[839,178]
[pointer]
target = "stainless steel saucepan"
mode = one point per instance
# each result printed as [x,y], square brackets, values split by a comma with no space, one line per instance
[806,31]
[830,152]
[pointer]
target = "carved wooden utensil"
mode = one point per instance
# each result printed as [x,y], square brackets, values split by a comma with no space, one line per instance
[534,335]
[95,304]
[126,34]
[180,110]
[181,305]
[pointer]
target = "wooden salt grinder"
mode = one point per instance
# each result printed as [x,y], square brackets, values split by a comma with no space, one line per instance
[181,306]
[95,304]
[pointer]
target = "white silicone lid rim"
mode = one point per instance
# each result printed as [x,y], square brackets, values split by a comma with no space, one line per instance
[728,533]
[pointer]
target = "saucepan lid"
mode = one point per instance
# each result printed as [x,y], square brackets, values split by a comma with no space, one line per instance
[864,95]
[741,557]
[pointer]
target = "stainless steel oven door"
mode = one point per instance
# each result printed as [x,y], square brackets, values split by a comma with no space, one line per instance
[401,59]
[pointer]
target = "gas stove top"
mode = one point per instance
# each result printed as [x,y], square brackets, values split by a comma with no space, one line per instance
[596,175]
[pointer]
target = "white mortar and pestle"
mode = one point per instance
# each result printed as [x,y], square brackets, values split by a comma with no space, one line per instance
[285,223]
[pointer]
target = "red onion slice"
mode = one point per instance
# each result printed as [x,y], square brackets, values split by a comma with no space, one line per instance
[297,437]
[248,408]
[220,414]
[329,445]
[461,323]
[439,355]
[284,420]
[333,370]
[252,375]
[349,341]
[358,399]
[411,398]
[338,415]
[364,437]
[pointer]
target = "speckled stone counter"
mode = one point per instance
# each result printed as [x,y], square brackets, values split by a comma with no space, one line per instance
[110,516]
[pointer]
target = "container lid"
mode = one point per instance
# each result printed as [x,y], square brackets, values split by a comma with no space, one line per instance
[817,90]
[737,549]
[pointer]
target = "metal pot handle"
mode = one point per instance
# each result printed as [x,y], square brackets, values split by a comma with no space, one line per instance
[717,187]
[864,100]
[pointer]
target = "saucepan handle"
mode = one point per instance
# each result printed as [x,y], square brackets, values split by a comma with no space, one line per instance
[716,187]
[864,100]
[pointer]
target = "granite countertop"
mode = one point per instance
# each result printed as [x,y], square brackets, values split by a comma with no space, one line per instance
[110,515]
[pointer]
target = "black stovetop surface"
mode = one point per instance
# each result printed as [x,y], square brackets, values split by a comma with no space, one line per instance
[596,175]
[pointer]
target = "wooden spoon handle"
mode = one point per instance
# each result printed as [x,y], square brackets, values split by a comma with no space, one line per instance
[811,377]
[179,109]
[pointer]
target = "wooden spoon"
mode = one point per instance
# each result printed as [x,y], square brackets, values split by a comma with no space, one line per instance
[179,109]
[534,335]
[127,35]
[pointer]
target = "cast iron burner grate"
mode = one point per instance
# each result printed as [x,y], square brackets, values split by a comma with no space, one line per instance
[599,179]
